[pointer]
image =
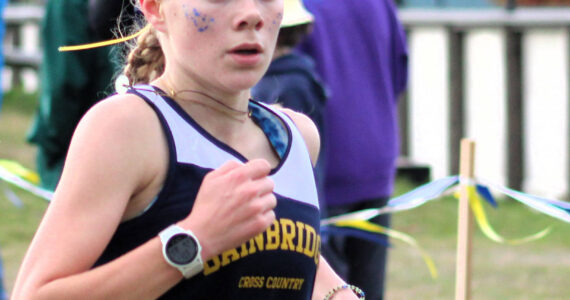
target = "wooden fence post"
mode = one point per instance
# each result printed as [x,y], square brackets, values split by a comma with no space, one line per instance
[464,223]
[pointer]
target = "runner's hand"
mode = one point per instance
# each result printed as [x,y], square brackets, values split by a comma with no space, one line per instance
[235,203]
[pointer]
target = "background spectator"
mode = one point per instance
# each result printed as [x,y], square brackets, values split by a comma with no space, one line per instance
[291,79]
[71,82]
[360,51]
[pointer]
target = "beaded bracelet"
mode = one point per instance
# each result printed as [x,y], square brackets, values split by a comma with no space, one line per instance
[354,289]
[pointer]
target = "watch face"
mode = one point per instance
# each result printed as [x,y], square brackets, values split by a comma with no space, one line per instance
[181,249]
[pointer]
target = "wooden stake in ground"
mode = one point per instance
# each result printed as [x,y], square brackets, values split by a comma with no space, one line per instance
[465,223]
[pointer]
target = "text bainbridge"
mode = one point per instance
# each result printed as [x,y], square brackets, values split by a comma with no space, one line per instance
[283,234]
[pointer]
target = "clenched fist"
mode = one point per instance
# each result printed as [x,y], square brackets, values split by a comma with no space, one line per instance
[235,203]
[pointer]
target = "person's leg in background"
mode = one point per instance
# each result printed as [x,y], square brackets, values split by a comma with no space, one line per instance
[359,262]
[367,261]
[333,246]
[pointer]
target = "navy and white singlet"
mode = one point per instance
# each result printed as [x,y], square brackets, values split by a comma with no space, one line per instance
[280,263]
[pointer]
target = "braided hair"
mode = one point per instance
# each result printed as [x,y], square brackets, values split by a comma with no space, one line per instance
[145,61]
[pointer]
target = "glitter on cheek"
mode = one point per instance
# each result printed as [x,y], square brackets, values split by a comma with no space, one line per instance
[201,21]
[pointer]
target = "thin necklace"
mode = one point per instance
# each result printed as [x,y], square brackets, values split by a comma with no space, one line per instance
[173,94]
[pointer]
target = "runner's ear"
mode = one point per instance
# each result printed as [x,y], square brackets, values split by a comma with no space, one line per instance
[152,10]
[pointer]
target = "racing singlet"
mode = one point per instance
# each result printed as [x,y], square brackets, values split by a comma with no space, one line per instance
[280,263]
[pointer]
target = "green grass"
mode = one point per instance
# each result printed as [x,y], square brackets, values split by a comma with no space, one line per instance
[17,225]
[21,101]
[536,270]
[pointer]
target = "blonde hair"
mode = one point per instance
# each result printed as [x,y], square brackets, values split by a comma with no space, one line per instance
[145,61]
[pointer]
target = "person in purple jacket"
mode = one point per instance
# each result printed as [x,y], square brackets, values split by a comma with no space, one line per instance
[359,48]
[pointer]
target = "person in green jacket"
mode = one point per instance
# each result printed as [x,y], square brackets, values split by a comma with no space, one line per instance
[71,82]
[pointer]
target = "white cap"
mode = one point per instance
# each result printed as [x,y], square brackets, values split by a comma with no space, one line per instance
[295,13]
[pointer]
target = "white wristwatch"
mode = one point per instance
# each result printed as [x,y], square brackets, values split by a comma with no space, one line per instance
[181,250]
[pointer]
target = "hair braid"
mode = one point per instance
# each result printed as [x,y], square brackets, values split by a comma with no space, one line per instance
[145,61]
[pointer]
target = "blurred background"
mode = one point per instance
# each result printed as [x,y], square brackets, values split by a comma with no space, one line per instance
[496,71]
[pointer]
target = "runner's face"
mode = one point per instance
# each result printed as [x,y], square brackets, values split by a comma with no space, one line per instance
[226,43]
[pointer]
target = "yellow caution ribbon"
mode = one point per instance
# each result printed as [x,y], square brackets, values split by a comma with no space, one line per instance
[14,173]
[375,228]
[103,43]
[476,206]
[20,171]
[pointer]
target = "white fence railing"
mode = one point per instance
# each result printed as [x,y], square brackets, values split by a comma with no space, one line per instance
[21,45]
[499,77]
